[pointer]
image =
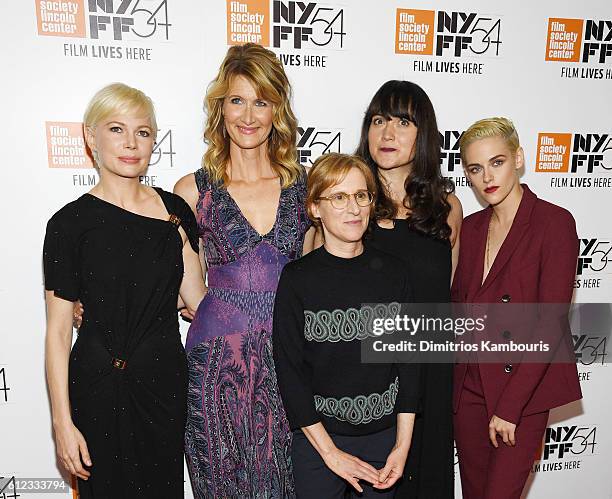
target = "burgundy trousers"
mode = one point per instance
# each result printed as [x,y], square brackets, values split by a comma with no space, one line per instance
[487,472]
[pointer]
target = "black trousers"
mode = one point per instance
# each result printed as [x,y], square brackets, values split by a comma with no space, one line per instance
[313,479]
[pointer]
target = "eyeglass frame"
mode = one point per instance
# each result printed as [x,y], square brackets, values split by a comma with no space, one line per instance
[348,197]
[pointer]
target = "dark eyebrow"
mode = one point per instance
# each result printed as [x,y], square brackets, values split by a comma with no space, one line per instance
[489,161]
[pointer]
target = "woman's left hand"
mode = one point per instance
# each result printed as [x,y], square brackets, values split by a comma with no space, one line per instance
[503,428]
[393,469]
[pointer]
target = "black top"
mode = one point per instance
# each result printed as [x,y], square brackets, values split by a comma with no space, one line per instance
[317,349]
[127,369]
[428,259]
[429,471]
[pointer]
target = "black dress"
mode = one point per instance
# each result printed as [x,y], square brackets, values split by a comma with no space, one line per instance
[429,472]
[127,368]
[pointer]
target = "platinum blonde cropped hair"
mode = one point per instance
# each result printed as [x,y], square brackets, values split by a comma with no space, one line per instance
[487,128]
[117,99]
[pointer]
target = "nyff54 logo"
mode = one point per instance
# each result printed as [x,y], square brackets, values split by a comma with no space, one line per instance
[594,255]
[295,25]
[590,349]
[302,24]
[579,40]
[313,142]
[450,158]
[574,153]
[457,34]
[566,442]
[109,19]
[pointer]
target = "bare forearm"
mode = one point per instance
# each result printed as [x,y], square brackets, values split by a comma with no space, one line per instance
[319,438]
[405,426]
[192,288]
[57,349]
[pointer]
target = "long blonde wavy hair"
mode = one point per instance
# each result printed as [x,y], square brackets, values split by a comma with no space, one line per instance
[265,72]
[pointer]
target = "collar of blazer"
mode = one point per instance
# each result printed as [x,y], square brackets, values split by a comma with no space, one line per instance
[515,235]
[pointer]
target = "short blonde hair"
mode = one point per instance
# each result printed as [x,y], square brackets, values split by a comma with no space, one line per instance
[265,72]
[118,98]
[331,169]
[490,127]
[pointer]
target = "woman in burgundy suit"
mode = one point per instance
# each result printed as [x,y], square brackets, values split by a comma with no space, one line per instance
[520,249]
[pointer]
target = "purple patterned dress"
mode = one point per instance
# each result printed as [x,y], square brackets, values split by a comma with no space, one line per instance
[237,437]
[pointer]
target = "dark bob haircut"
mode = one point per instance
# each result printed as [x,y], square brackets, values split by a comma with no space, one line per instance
[426,189]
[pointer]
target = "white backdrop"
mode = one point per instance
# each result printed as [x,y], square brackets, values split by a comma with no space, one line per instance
[546,64]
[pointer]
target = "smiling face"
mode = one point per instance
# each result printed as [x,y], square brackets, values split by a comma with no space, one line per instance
[347,225]
[247,116]
[392,141]
[122,144]
[492,167]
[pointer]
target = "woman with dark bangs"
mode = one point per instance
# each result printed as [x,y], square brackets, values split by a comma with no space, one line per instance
[417,218]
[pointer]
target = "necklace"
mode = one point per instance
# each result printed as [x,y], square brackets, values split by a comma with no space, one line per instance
[488,267]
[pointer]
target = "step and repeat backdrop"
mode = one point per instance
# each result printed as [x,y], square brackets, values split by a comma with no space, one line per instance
[547,65]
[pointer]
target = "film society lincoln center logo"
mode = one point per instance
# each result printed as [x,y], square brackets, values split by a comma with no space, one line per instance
[588,154]
[297,27]
[587,42]
[66,149]
[459,37]
[66,146]
[104,20]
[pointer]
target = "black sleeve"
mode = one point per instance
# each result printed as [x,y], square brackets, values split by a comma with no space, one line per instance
[60,261]
[409,394]
[188,223]
[288,347]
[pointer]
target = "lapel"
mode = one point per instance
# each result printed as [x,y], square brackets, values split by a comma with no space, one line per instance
[479,239]
[517,231]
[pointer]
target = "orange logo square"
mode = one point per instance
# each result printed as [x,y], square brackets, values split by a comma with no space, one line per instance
[564,39]
[248,21]
[66,146]
[553,152]
[414,31]
[65,18]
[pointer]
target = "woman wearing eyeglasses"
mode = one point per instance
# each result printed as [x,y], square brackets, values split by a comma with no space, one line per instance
[352,421]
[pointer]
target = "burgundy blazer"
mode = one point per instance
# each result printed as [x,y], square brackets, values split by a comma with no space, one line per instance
[535,264]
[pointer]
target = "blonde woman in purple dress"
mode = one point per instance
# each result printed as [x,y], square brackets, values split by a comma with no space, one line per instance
[248,198]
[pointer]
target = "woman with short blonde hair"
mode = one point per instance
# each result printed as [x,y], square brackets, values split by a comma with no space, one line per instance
[520,249]
[126,251]
[248,198]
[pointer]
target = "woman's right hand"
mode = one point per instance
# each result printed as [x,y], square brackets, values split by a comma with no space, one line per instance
[351,468]
[72,449]
[77,314]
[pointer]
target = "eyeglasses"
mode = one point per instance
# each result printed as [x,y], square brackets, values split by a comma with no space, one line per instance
[339,200]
